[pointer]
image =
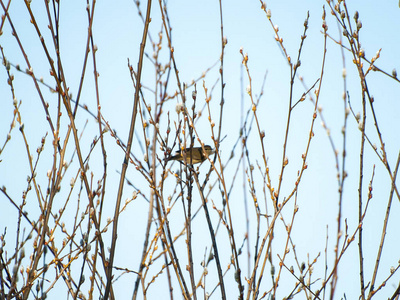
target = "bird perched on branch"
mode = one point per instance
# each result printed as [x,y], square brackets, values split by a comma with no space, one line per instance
[193,155]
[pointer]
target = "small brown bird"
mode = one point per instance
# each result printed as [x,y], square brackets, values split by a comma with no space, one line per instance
[193,155]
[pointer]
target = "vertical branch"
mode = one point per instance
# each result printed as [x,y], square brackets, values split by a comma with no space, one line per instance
[190,197]
[128,150]
[89,39]
[355,50]
[384,229]
[224,41]
[214,242]
[244,149]
[293,70]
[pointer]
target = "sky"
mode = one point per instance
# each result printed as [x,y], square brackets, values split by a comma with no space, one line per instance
[196,38]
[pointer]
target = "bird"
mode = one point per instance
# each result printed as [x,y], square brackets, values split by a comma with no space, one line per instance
[193,155]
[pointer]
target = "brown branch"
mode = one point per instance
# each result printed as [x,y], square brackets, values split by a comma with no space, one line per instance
[127,153]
